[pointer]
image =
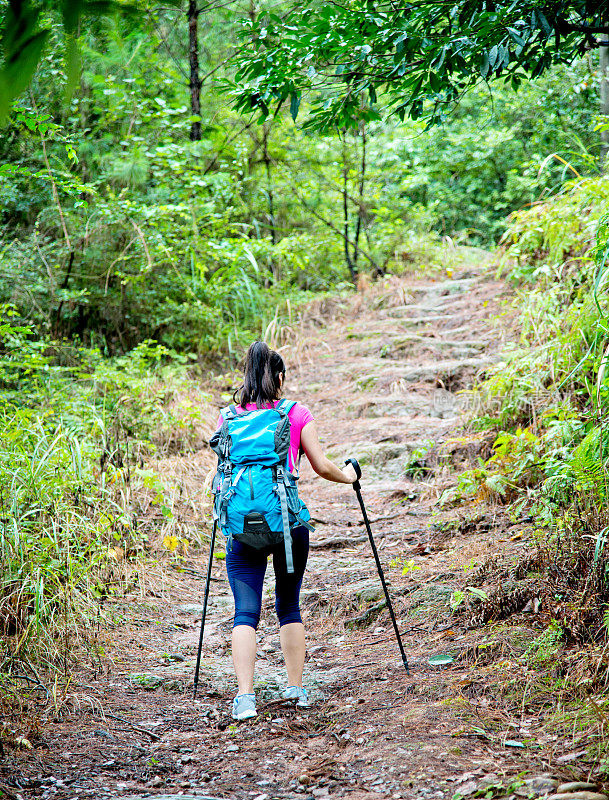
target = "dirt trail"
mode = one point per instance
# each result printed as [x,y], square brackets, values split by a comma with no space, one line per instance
[382,387]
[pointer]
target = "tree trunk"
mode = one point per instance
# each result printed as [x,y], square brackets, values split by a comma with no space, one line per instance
[269,182]
[604,85]
[360,199]
[195,79]
[346,242]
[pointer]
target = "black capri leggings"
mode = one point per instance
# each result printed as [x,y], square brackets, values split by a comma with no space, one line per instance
[246,567]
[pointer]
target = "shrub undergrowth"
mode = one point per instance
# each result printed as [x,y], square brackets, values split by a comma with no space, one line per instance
[77,431]
[547,400]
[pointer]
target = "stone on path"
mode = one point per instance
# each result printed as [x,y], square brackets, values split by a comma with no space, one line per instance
[578,796]
[576,786]
[538,786]
[190,608]
[169,797]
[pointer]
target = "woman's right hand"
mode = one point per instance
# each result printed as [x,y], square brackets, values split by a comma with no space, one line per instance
[349,473]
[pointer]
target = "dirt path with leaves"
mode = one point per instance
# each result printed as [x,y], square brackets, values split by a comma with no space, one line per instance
[387,382]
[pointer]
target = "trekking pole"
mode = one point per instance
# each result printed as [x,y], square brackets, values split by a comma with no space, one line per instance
[358,492]
[207,583]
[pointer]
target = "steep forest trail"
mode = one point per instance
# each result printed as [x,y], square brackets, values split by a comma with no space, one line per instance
[382,382]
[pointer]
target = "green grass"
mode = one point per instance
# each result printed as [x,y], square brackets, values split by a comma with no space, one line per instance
[74,442]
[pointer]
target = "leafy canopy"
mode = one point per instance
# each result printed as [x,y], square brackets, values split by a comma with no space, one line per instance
[361,59]
[25,27]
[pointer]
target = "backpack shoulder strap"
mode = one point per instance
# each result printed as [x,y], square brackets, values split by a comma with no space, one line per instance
[285,406]
[282,431]
[220,442]
[230,412]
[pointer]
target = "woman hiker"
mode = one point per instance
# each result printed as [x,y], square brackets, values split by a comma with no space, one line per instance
[264,376]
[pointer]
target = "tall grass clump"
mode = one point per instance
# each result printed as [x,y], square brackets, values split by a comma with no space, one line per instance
[76,433]
[548,398]
[57,528]
[550,254]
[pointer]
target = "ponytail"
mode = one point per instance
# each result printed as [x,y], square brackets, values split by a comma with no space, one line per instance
[261,384]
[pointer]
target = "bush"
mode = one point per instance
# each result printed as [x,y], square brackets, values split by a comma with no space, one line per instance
[548,399]
[76,430]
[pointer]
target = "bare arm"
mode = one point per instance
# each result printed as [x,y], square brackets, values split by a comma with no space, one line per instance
[309,439]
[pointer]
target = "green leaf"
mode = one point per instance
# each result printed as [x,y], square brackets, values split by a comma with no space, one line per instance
[440,660]
[439,61]
[435,82]
[485,65]
[492,56]
[545,25]
[479,593]
[294,105]
[19,69]
[516,37]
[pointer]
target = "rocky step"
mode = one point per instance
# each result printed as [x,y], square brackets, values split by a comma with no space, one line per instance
[368,372]
[400,347]
[456,331]
[435,303]
[390,330]
[361,366]
[456,286]
[401,405]
[388,458]
[364,431]
[401,340]
[420,319]
[439,404]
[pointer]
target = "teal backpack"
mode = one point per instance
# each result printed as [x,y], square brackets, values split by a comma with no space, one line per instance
[255,495]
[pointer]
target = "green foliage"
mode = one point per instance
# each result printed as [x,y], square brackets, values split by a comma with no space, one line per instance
[54,534]
[358,57]
[415,466]
[517,455]
[550,253]
[116,229]
[548,395]
[26,30]
[489,158]
[461,596]
[74,426]
[549,399]
[542,651]
[130,253]
[554,240]
[480,483]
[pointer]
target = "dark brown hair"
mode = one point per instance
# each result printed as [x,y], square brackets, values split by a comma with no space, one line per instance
[261,384]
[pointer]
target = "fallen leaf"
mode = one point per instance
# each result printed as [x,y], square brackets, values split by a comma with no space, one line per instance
[171,543]
[440,661]
[21,741]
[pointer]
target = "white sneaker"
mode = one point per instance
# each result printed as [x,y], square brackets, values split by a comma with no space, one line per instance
[244,707]
[297,693]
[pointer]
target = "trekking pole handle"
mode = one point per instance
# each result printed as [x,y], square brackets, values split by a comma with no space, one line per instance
[358,470]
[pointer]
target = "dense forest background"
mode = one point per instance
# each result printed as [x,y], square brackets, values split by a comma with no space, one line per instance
[117,227]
